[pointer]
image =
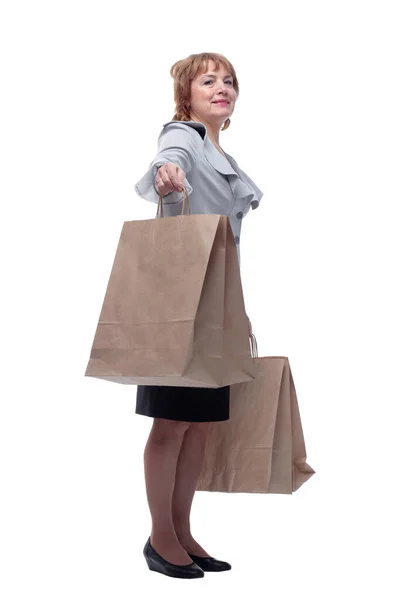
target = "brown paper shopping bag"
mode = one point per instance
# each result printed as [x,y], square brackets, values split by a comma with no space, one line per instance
[261,447]
[173,312]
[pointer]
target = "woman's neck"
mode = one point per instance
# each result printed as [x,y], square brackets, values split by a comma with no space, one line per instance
[212,132]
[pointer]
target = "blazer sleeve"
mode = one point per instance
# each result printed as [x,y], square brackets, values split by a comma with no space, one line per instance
[176,144]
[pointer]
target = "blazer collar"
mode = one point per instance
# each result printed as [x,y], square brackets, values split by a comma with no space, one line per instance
[241,184]
[217,160]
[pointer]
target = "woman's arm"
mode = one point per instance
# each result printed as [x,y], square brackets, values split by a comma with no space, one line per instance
[176,144]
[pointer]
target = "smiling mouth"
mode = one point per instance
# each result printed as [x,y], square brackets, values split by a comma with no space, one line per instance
[221,102]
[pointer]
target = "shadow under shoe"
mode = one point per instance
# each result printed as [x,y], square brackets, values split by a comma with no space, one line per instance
[157,563]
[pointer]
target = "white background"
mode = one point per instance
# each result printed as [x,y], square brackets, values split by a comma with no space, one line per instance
[85,91]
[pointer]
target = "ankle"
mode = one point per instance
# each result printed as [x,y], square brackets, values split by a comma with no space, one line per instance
[163,534]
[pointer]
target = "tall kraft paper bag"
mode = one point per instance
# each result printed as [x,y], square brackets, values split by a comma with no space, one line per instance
[173,312]
[261,447]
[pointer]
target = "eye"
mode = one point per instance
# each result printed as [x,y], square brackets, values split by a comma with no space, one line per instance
[210,81]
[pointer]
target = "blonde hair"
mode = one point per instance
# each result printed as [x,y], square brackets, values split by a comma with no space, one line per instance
[187,69]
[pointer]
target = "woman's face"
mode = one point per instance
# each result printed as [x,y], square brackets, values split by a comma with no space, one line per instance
[207,89]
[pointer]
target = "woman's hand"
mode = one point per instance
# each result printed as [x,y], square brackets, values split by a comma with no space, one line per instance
[169,178]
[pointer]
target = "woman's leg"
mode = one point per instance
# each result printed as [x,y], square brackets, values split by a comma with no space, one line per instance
[160,462]
[188,469]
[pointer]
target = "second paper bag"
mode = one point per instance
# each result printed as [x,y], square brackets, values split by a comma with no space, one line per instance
[174,313]
[261,447]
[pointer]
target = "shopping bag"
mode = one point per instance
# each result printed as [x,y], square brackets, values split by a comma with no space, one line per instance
[173,312]
[261,447]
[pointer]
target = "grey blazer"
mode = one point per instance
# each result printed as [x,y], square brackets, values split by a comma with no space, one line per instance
[215,184]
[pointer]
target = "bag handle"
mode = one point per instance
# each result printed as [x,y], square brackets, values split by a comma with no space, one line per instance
[160,206]
[253,342]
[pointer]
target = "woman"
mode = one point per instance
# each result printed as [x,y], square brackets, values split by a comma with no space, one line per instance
[190,155]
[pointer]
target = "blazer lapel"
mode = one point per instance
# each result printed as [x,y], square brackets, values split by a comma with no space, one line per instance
[241,184]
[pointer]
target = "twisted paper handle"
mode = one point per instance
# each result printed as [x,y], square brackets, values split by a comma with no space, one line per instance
[253,342]
[160,206]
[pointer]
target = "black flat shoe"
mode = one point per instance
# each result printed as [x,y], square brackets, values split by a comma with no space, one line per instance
[208,563]
[157,563]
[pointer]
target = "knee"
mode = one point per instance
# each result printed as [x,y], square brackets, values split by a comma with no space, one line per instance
[200,427]
[168,429]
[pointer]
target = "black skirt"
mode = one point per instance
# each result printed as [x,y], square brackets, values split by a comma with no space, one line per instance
[183,403]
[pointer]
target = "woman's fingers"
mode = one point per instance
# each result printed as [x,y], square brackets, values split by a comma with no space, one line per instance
[170,178]
[174,176]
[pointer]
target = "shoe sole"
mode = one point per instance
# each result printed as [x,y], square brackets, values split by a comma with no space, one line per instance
[154,567]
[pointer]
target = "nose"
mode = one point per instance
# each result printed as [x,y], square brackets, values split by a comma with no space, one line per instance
[223,87]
